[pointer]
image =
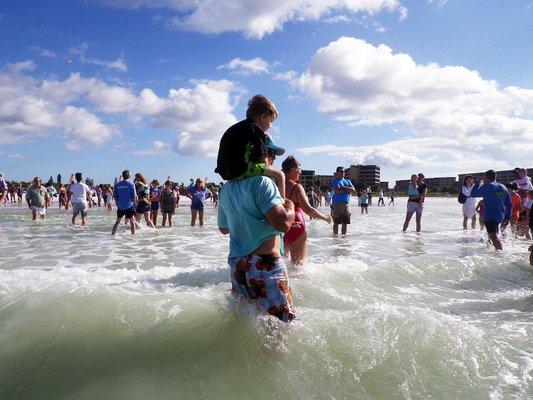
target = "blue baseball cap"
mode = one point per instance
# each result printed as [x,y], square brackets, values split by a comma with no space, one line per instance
[273,149]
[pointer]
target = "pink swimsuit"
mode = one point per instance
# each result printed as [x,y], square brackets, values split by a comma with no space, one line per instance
[295,231]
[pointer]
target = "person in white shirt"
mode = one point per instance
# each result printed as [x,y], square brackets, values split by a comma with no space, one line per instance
[523,181]
[80,198]
[469,206]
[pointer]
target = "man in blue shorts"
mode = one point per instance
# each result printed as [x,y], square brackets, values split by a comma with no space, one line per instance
[498,205]
[253,213]
[124,194]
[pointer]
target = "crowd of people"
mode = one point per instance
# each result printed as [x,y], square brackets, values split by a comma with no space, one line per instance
[263,209]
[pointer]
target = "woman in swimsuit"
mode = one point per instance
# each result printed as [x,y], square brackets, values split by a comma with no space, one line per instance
[296,238]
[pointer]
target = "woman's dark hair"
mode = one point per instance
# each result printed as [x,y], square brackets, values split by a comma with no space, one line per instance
[465,179]
[289,163]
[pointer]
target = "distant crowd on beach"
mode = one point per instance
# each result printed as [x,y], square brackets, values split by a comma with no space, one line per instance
[263,208]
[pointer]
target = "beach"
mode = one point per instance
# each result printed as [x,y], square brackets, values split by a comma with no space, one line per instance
[380,314]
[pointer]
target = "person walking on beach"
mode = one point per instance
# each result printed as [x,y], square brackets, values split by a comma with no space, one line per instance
[392,195]
[124,194]
[342,188]
[253,213]
[416,191]
[198,195]
[168,203]
[380,198]
[79,195]
[37,199]
[295,239]
[497,205]
[469,205]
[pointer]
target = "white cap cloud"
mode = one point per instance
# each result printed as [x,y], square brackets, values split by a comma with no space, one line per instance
[247,67]
[79,109]
[256,18]
[365,85]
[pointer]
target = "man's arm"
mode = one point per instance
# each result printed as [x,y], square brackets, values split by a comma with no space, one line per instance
[28,198]
[222,221]
[508,205]
[281,217]
[476,190]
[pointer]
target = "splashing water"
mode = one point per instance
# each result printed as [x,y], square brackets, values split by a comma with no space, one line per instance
[381,314]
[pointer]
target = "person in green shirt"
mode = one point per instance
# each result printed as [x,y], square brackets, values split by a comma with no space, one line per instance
[37,199]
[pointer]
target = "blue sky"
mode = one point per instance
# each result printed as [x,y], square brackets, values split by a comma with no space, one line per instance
[150,85]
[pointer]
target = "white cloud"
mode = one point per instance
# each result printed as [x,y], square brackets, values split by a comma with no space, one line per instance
[158,147]
[247,67]
[28,65]
[365,85]
[81,50]
[255,18]
[285,75]
[43,52]
[77,109]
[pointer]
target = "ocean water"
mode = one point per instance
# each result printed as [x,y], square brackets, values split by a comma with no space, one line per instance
[381,314]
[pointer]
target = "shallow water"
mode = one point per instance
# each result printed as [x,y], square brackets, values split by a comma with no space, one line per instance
[381,314]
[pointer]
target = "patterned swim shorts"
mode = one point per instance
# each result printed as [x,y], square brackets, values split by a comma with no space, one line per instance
[263,278]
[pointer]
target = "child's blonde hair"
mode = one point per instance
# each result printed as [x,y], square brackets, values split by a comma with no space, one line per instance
[260,105]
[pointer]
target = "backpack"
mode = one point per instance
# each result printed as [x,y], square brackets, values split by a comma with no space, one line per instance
[462,198]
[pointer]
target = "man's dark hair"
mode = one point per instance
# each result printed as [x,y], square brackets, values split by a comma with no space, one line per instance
[289,163]
[78,176]
[339,168]
[420,174]
[126,174]
[490,175]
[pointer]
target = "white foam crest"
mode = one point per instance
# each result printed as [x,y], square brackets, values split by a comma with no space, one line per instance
[136,280]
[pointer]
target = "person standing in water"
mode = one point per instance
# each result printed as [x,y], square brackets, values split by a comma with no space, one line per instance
[417,195]
[342,189]
[80,197]
[363,201]
[155,199]
[124,194]
[497,205]
[143,199]
[3,188]
[469,206]
[37,199]
[198,194]
[253,213]
[168,203]
[295,239]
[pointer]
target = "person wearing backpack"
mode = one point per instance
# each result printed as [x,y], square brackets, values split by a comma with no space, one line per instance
[469,203]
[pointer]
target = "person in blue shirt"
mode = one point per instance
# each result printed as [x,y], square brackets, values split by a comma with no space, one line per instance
[253,213]
[124,195]
[342,188]
[497,205]
[198,194]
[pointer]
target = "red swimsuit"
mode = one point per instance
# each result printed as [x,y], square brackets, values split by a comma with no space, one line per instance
[295,231]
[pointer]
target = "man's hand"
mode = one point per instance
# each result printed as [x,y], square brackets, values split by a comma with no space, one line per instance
[288,205]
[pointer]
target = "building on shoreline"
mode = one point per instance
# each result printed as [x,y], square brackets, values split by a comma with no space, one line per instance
[363,176]
[501,176]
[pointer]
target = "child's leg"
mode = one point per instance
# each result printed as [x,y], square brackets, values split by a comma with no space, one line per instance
[201,217]
[279,178]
